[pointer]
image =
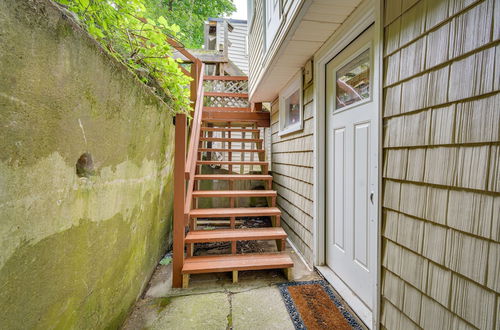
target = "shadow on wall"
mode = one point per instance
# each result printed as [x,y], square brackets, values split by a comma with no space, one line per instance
[221,202]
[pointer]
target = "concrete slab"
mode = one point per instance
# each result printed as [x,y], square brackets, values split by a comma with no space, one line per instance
[260,308]
[208,300]
[204,311]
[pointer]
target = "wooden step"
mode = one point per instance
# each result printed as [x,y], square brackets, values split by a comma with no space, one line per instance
[229,235]
[226,263]
[230,129]
[229,150]
[234,177]
[225,78]
[234,193]
[226,109]
[216,139]
[235,212]
[223,94]
[229,162]
[261,118]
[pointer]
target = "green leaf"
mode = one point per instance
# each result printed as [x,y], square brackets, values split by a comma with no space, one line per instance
[175,28]
[166,260]
[163,21]
[96,31]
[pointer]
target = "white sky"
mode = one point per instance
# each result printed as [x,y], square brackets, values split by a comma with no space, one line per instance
[241,9]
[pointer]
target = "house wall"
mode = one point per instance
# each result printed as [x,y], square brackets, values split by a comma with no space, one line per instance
[237,51]
[256,44]
[441,165]
[259,57]
[292,169]
[76,252]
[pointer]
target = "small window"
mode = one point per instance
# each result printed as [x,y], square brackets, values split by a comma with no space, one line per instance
[352,81]
[291,113]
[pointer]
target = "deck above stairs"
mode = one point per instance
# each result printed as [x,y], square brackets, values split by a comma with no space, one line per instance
[226,137]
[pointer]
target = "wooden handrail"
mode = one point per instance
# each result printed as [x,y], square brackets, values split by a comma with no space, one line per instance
[195,127]
[184,168]
[194,142]
[194,60]
[183,51]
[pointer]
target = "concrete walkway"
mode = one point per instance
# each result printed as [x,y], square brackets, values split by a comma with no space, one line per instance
[214,302]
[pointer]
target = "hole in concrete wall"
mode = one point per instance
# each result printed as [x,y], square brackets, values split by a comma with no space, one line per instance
[85,165]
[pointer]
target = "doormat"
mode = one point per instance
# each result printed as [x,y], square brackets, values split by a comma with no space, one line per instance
[313,305]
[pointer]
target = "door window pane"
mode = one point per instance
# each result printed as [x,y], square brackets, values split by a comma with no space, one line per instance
[353,81]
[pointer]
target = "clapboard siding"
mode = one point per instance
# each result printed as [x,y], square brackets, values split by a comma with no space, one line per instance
[258,53]
[292,164]
[256,43]
[237,51]
[441,162]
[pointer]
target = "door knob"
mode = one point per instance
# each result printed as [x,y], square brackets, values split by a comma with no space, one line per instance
[371,197]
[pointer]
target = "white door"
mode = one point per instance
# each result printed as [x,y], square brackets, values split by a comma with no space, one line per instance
[352,148]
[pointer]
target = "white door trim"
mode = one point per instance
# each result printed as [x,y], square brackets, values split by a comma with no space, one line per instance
[367,13]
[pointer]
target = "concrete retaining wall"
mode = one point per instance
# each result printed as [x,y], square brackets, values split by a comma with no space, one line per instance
[75,250]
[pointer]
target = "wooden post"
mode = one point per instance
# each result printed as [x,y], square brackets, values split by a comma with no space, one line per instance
[194,84]
[235,276]
[256,107]
[179,196]
[288,274]
[185,281]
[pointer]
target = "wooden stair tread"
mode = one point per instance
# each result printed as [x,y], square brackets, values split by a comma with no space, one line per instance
[226,109]
[225,94]
[226,235]
[261,118]
[225,77]
[229,150]
[229,162]
[224,263]
[229,129]
[234,212]
[262,177]
[234,193]
[215,139]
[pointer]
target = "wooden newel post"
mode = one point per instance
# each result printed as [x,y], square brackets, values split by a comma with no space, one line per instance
[194,83]
[179,196]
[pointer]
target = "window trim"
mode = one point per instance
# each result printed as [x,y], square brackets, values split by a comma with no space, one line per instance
[294,85]
[366,47]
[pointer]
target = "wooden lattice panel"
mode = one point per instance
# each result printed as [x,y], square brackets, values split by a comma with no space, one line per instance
[226,86]
[224,101]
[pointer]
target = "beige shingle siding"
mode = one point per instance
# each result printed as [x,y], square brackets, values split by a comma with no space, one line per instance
[292,164]
[441,186]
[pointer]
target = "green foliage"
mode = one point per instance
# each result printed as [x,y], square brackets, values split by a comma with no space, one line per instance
[135,38]
[189,15]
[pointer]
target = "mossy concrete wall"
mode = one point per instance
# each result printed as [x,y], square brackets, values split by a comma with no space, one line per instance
[75,252]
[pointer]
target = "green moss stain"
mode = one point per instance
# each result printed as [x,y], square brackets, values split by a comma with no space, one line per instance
[79,278]
[161,303]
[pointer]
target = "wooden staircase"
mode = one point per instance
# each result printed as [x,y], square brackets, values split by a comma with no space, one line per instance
[225,135]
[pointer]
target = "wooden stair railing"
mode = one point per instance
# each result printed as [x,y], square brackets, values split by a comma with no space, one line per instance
[221,107]
[184,169]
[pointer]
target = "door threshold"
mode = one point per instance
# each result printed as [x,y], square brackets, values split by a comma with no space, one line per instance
[361,310]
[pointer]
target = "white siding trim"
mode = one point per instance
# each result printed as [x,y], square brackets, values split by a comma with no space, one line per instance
[294,85]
